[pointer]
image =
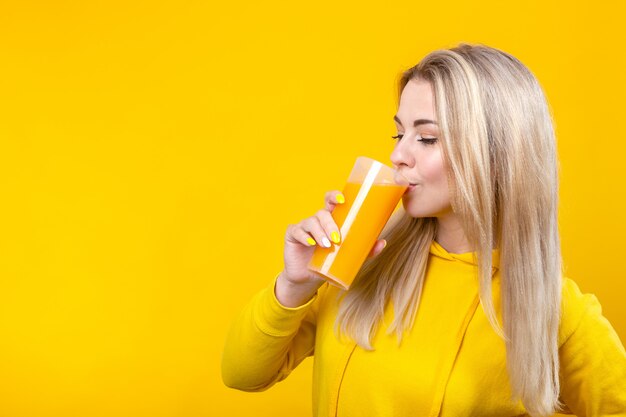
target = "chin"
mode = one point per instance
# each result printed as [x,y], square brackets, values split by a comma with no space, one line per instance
[417,210]
[418,214]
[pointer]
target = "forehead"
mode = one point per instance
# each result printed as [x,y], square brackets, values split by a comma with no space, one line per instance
[416,102]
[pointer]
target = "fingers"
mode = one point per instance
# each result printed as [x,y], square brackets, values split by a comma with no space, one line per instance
[322,226]
[320,229]
[317,226]
[332,198]
[308,232]
[296,234]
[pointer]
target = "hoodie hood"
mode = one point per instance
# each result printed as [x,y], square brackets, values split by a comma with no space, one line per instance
[468,257]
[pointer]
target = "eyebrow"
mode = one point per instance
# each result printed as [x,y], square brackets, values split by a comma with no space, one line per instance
[416,122]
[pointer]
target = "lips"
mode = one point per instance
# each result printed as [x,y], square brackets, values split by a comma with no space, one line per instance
[410,188]
[402,180]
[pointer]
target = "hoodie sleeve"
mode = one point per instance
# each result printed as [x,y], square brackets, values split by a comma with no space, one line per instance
[593,360]
[267,341]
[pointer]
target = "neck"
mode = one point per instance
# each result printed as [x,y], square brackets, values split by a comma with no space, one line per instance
[450,234]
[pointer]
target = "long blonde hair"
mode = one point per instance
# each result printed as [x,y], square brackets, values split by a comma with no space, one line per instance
[499,146]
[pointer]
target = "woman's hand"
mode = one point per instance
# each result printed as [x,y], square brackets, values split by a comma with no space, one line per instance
[297,283]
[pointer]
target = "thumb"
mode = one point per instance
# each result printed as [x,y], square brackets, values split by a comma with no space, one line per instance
[378,248]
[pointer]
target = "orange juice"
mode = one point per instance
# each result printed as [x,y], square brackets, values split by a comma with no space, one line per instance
[360,220]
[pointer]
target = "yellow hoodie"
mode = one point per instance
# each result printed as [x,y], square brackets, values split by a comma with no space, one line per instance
[451,363]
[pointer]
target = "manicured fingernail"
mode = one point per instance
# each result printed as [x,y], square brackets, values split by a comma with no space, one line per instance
[384,244]
[326,242]
[340,198]
[310,241]
[334,236]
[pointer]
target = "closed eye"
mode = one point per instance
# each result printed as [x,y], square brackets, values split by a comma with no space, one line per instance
[424,140]
[428,141]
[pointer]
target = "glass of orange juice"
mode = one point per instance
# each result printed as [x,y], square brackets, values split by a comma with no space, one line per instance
[371,196]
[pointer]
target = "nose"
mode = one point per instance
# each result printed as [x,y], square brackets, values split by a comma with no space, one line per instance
[401,156]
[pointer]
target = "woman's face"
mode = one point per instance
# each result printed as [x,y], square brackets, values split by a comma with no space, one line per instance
[417,154]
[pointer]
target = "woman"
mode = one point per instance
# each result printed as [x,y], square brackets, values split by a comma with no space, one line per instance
[461,309]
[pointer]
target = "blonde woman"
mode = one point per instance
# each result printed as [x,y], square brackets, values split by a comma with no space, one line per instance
[461,309]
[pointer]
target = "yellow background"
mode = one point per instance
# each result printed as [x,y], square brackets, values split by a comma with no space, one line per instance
[152,154]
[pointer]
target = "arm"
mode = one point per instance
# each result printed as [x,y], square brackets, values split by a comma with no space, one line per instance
[267,341]
[593,360]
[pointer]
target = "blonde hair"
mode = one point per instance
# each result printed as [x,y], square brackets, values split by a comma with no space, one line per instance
[499,146]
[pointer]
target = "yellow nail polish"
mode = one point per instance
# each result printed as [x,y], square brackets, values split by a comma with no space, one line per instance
[340,198]
[310,241]
[334,236]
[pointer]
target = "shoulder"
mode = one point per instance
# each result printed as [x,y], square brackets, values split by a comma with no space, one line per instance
[575,305]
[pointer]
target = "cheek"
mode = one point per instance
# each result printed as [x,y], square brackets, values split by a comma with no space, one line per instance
[432,169]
